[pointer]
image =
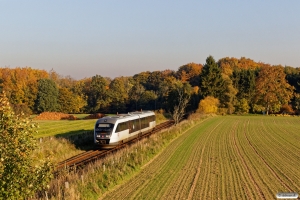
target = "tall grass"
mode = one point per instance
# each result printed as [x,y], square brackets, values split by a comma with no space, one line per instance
[59,149]
[95,179]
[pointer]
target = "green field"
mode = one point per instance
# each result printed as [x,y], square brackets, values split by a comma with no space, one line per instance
[229,157]
[71,127]
[63,127]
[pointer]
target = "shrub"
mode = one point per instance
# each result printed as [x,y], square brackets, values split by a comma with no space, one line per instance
[208,105]
[21,175]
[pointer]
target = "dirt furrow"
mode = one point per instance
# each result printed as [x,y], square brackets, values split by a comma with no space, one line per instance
[191,193]
[268,166]
[157,170]
[260,192]
[239,174]
[225,158]
[271,153]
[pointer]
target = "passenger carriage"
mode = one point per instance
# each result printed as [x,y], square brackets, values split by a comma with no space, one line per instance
[111,131]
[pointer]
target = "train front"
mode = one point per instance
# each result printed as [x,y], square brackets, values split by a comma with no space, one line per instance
[102,133]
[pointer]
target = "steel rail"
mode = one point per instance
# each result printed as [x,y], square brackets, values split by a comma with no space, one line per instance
[91,156]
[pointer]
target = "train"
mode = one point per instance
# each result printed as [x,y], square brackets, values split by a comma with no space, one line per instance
[111,131]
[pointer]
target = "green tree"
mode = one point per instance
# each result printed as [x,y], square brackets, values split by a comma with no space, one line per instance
[47,96]
[142,78]
[97,95]
[297,103]
[153,81]
[148,100]
[272,89]
[70,102]
[211,80]
[242,106]
[21,174]
[293,77]
[135,94]
[118,94]
[244,81]
[163,91]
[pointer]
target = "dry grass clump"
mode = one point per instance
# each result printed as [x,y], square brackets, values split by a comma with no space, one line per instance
[95,116]
[55,116]
[60,148]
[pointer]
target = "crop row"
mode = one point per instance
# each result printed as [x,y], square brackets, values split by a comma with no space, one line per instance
[230,157]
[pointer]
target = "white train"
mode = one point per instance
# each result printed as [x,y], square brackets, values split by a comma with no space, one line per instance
[113,130]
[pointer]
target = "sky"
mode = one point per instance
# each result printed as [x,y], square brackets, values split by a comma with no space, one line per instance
[115,38]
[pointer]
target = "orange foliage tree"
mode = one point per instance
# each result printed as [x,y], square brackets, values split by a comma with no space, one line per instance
[272,89]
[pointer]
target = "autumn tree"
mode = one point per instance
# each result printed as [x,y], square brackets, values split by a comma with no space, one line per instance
[228,65]
[69,102]
[21,174]
[208,105]
[272,89]
[190,73]
[21,86]
[47,96]
[1,85]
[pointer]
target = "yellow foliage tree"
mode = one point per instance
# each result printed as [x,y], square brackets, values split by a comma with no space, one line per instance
[208,105]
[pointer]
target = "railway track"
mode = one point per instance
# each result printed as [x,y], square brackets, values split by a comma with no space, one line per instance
[82,159]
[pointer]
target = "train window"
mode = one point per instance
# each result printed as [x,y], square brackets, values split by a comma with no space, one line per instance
[104,127]
[130,125]
[137,124]
[134,125]
[145,122]
[122,126]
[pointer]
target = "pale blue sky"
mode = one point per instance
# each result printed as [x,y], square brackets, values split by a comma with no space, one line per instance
[122,38]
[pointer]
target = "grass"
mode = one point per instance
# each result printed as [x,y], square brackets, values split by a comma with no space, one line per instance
[236,157]
[241,157]
[103,175]
[66,138]
[73,127]
[63,127]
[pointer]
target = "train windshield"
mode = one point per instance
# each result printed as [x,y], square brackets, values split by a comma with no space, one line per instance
[104,128]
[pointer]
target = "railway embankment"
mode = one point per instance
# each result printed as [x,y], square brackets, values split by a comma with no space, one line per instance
[97,178]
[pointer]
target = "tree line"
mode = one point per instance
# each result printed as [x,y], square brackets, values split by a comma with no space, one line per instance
[239,86]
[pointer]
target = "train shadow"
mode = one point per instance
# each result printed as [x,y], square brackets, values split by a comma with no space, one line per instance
[82,139]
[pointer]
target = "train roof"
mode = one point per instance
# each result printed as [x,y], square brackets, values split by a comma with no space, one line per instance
[134,115]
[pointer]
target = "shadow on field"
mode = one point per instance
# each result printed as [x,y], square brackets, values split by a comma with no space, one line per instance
[82,139]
